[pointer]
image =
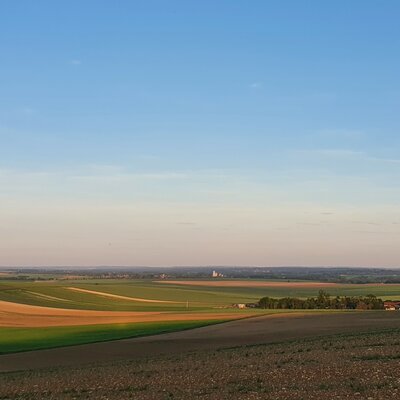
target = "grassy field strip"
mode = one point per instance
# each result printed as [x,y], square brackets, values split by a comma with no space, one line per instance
[152,290]
[14,340]
[115,296]
[287,289]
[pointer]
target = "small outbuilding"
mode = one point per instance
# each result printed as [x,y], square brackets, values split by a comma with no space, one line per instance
[239,305]
[392,305]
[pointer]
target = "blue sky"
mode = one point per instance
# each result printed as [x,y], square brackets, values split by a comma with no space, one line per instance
[199,133]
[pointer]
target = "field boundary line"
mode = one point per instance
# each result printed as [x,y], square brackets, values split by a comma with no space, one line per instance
[117,296]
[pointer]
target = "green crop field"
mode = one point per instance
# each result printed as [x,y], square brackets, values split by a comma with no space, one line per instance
[24,339]
[57,294]
[248,294]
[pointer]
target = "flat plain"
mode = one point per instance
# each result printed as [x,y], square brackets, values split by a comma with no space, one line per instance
[46,313]
[181,339]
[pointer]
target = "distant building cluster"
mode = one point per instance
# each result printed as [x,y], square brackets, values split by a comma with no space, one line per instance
[216,274]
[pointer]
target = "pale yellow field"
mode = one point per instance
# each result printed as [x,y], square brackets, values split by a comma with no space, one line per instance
[116,296]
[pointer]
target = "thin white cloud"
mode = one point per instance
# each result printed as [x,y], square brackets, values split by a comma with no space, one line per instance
[75,62]
[148,157]
[332,153]
[340,153]
[347,153]
[340,134]
[118,177]
[94,173]
[10,174]
[386,160]
[255,85]
[105,169]
[27,111]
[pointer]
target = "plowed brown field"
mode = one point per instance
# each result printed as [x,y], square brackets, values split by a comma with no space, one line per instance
[246,332]
[252,284]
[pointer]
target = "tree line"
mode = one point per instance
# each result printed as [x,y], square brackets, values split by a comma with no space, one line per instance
[324,301]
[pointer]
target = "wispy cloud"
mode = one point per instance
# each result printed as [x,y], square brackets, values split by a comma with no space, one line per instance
[348,154]
[340,153]
[75,62]
[104,169]
[148,157]
[120,177]
[377,232]
[340,134]
[386,160]
[93,173]
[28,111]
[255,85]
[13,175]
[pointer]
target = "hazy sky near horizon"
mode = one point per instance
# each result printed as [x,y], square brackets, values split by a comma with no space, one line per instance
[200,133]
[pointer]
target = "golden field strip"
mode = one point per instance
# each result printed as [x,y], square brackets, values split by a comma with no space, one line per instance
[24,315]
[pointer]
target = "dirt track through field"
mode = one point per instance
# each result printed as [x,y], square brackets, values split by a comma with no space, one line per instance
[259,330]
[28,316]
[117,296]
[238,283]
[47,297]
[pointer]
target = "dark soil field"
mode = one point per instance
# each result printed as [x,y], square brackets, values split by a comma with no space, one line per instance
[252,331]
[342,366]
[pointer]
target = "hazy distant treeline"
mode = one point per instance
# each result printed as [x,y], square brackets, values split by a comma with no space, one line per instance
[324,301]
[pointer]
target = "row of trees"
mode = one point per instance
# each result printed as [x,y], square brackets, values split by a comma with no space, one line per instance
[324,301]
